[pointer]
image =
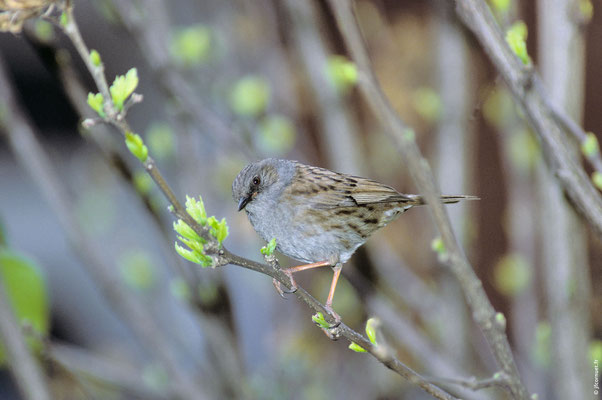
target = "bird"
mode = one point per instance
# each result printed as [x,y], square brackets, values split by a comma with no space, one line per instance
[318,216]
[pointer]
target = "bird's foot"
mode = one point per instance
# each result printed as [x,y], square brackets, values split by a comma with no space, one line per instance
[278,285]
[334,330]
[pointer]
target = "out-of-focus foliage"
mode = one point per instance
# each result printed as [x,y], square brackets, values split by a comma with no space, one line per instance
[137,269]
[250,96]
[512,274]
[516,37]
[25,288]
[427,103]
[543,339]
[191,45]
[276,135]
[161,140]
[342,72]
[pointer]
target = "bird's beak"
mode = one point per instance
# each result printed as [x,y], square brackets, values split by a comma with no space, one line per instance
[243,202]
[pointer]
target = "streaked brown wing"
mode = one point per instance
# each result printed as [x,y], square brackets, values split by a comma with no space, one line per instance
[328,189]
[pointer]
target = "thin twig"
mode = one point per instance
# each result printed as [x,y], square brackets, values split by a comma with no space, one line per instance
[525,84]
[23,366]
[498,380]
[482,311]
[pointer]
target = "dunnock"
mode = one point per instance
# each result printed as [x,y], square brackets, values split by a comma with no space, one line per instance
[317,216]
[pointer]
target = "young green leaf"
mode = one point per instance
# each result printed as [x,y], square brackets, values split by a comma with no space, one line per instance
[319,320]
[590,146]
[357,348]
[96,102]
[187,254]
[123,86]
[95,58]
[516,37]
[196,209]
[136,146]
[371,326]
[269,248]
[221,231]
[186,231]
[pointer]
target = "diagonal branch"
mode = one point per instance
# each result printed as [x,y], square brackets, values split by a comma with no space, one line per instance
[492,324]
[549,123]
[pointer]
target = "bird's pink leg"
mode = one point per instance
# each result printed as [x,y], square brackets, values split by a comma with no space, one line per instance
[308,266]
[335,278]
[290,271]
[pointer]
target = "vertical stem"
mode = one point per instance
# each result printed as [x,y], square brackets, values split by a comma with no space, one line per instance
[453,158]
[564,239]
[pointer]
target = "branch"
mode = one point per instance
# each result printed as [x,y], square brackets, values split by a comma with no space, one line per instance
[528,90]
[497,380]
[492,324]
[24,367]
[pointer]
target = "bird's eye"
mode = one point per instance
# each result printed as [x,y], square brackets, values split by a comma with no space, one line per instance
[256,181]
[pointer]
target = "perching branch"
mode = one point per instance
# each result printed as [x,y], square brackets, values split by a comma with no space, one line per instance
[546,120]
[492,324]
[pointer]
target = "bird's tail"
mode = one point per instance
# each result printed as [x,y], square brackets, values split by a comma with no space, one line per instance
[418,200]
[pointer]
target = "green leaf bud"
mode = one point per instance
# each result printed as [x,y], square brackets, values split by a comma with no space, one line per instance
[136,146]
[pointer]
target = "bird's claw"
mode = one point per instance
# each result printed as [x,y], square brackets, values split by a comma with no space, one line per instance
[278,285]
[333,331]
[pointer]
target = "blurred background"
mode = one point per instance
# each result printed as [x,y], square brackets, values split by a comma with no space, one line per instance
[229,82]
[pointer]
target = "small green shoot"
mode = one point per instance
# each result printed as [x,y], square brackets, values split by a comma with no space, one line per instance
[123,86]
[342,73]
[269,248]
[357,348]
[95,58]
[438,246]
[96,102]
[516,37]
[590,147]
[319,320]
[136,146]
[218,231]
